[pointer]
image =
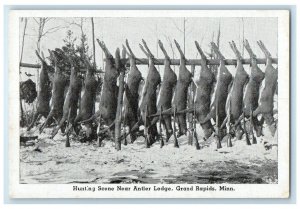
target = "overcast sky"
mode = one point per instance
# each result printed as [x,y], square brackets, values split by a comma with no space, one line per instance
[114,31]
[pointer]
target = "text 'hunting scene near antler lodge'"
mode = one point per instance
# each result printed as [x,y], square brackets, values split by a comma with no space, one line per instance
[148,100]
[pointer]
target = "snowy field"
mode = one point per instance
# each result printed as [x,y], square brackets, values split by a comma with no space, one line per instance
[53,163]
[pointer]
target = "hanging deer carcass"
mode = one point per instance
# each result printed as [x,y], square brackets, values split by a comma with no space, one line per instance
[251,96]
[266,100]
[131,99]
[71,101]
[44,93]
[109,94]
[217,110]
[87,101]
[181,91]
[59,83]
[149,97]
[165,94]
[235,97]
[203,94]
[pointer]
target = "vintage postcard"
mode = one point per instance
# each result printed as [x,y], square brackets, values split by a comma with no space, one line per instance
[149,104]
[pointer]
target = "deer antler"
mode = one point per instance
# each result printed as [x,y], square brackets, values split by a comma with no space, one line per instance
[200,51]
[248,48]
[217,51]
[161,46]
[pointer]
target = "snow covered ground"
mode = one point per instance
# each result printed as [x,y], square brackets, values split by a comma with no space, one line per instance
[87,163]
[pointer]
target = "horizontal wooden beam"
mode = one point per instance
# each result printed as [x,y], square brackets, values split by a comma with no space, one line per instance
[144,61]
[28,65]
[209,62]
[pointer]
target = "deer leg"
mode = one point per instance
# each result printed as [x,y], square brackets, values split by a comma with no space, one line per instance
[36,117]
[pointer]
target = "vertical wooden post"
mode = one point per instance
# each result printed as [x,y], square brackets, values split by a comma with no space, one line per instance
[190,104]
[184,35]
[23,41]
[93,37]
[218,133]
[176,144]
[160,128]
[120,104]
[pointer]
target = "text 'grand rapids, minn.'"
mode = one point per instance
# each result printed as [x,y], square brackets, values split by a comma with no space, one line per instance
[151,188]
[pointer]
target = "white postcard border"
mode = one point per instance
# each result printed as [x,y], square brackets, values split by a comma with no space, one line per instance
[280,190]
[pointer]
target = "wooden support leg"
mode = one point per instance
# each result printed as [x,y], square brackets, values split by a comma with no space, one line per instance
[254,141]
[191,131]
[99,137]
[146,131]
[174,128]
[68,141]
[229,143]
[197,145]
[160,129]
[218,134]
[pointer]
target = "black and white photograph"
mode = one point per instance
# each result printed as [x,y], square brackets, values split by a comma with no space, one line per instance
[163,101]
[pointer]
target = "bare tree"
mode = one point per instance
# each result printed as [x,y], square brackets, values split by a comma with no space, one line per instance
[93,37]
[183,31]
[23,38]
[243,36]
[43,30]
[21,57]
